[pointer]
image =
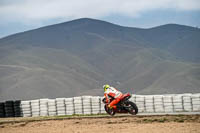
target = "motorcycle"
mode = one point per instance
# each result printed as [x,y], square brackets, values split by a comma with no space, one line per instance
[124,106]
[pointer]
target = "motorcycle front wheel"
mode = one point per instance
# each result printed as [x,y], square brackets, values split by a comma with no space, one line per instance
[109,111]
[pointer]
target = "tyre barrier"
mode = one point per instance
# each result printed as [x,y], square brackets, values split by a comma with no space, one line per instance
[17,108]
[10,109]
[2,110]
[174,103]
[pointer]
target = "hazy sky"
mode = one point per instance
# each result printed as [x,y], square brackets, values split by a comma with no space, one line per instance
[20,15]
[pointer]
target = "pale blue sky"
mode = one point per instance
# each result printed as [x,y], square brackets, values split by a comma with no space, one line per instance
[21,15]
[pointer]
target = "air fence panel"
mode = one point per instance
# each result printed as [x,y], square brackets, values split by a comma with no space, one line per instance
[35,108]
[52,111]
[196,102]
[87,109]
[133,98]
[60,106]
[26,108]
[140,103]
[149,104]
[102,108]
[178,103]
[187,102]
[44,107]
[78,105]
[95,104]
[168,104]
[158,104]
[69,103]
[172,103]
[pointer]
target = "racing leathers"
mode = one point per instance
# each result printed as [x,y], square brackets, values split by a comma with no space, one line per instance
[114,93]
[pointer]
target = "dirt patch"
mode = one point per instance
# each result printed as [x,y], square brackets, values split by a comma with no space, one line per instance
[128,124]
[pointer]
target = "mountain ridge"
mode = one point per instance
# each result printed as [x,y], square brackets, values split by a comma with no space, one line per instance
[96,20]
[78,57]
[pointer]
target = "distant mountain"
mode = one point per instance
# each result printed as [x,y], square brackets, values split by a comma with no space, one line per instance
[78,57]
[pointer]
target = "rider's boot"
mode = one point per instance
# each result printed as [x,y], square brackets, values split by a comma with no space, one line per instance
[112,107]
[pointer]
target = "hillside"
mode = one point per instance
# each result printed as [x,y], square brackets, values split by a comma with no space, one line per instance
[78,57]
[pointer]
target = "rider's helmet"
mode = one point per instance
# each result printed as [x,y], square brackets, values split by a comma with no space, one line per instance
[105,87]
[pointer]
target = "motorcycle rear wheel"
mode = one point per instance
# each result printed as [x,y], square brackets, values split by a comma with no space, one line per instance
[133,109]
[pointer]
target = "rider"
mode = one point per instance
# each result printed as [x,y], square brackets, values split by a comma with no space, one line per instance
[114,93]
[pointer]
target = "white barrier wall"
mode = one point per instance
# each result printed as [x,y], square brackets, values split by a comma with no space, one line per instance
[196,102]
[149,104]
[96,109]
[52,110]
[78,105]
[102,109]
[35,107]
[140,102]
[158,104]
[60,106]
[69,104]
[87,105]
[168,104]
[94,105]
[26,108]
[44,111]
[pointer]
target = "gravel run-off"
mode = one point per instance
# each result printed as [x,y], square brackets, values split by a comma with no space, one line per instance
[103,124]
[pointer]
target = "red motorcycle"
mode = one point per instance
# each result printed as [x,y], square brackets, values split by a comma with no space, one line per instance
[124,106]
